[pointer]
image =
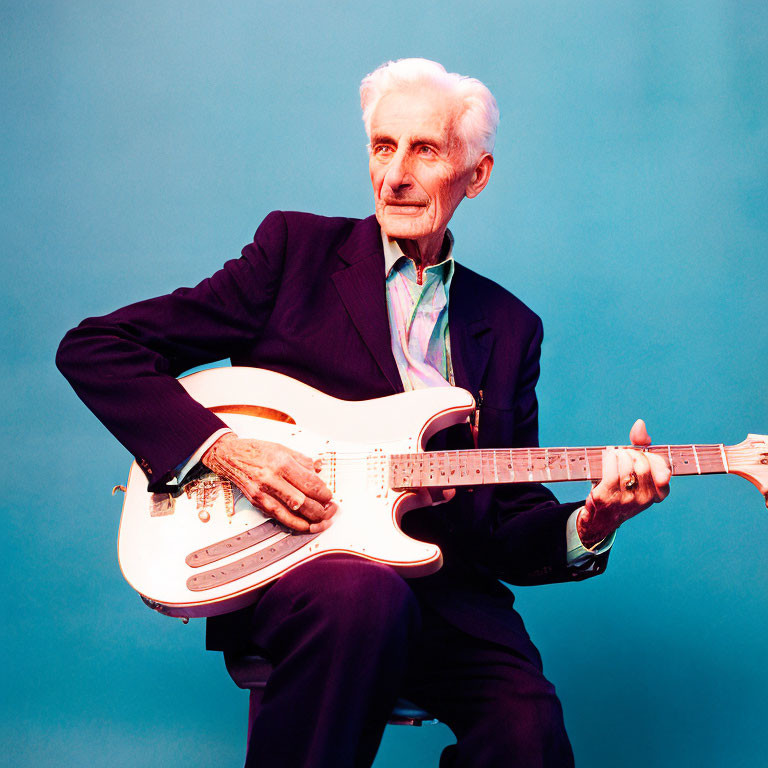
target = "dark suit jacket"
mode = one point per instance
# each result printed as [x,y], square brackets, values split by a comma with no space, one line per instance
[307,299]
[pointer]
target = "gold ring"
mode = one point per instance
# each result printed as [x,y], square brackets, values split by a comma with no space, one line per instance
[632,482]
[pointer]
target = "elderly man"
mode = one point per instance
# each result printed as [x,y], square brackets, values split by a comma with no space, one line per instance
[362,309]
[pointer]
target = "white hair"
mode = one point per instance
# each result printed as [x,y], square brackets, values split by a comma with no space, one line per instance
[479,116]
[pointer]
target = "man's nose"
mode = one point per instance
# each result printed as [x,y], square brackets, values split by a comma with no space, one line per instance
[398,173]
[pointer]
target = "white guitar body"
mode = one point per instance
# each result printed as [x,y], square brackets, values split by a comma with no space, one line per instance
[204,550]
[159,533]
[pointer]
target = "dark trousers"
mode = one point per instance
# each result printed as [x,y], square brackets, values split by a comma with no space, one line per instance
[347,637]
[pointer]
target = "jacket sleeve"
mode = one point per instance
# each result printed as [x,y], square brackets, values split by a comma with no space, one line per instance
[124,365]
[519,530]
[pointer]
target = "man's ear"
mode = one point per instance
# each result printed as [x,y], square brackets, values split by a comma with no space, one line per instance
[480,176]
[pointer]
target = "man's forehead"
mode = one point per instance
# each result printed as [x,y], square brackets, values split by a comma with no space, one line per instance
[415,111]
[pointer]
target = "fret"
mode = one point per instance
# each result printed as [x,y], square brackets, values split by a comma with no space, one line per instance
[577,469]
[722,455]
[477,465]
[443,469]
[463,459]
[452,466]
[510,466]
[533,468]
[463,469]
[500,466]
[518,461]
[558,465]
[567,465]
[711,459]
[433,464]
[696,456]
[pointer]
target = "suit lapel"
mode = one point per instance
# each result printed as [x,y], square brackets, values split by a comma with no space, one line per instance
[470,332]
[361,286]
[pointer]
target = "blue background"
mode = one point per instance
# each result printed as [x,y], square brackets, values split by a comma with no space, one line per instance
[141,145]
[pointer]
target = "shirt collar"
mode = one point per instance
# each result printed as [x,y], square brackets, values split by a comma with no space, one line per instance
[393,252]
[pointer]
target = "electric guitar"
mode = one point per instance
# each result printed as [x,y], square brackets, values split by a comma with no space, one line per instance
[204,550]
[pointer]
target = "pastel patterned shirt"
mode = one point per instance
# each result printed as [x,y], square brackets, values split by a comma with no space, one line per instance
[418,317]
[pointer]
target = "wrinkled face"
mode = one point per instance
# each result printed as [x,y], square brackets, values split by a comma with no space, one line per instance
[418,167]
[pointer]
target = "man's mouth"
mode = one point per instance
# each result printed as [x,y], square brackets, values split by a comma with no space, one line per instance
[405,206]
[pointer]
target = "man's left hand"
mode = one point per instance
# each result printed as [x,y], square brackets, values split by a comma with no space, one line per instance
[631,482]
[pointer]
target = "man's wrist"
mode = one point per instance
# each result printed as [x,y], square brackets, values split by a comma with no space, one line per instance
[577,554]
[591,531]
[197,456]
[210,456]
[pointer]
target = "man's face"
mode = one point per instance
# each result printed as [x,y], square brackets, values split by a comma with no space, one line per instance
[418,166]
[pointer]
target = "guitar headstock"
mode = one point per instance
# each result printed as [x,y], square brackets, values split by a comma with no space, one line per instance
[750,460]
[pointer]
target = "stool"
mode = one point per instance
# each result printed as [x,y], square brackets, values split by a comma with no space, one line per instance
[251,672]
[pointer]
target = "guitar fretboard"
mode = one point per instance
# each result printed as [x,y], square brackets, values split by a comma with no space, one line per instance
[537,465]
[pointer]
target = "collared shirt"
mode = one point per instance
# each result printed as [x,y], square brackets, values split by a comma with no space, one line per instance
[418,317]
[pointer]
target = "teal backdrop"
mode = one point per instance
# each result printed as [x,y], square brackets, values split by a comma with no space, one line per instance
[141,145]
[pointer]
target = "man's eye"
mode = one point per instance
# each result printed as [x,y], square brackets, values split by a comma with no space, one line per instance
[382,149]
[425,150]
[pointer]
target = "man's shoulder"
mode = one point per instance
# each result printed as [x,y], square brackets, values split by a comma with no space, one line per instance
[303,221]
[290,232]
[495,302]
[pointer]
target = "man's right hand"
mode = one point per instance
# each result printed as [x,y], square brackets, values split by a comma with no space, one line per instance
[281,482]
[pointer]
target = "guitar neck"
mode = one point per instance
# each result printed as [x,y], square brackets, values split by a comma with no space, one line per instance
[536,465]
